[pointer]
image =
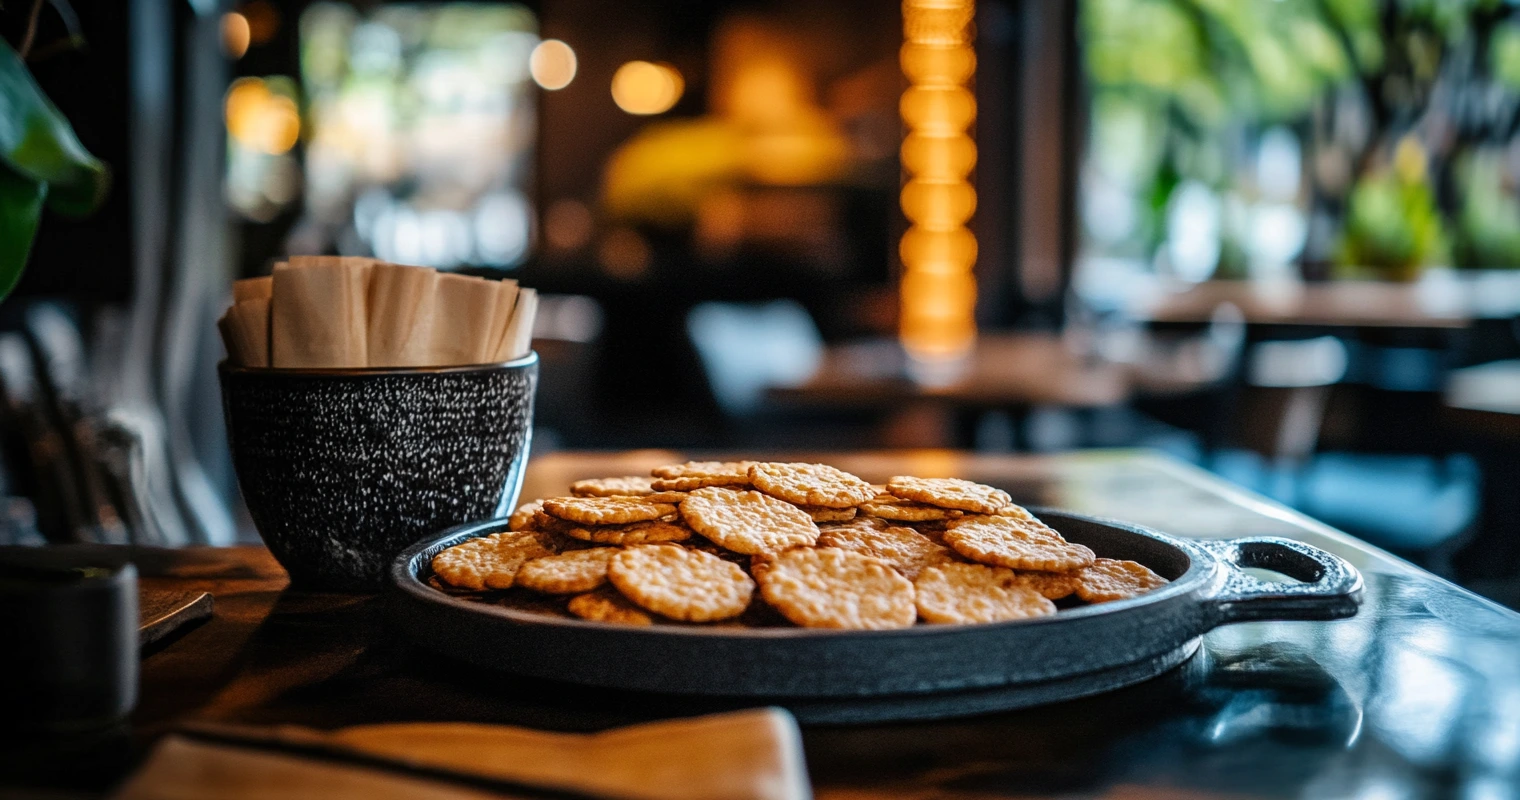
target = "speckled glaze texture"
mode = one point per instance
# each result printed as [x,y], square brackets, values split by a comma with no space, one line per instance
[972,668]
[343,469]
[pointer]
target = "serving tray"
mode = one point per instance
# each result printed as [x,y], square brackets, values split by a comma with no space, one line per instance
[922,671]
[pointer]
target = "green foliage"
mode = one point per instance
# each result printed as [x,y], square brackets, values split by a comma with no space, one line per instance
[1392,227]
[40,160]
[1488,224]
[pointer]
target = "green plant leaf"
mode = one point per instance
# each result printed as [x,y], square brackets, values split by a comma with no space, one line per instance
[21,201]
[38,143]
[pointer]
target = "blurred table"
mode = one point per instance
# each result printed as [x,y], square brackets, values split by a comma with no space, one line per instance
[1445,301]
[1483,404]
[1417,696]
[1006,372]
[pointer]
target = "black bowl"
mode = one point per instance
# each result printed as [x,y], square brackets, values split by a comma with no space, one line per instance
[342,469]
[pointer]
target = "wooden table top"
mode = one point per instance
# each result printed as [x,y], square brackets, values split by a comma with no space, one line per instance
[1006,369]
[1448,302]
[1485,399]
[1399,695]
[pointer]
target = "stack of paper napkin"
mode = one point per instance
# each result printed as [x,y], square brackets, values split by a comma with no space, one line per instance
[338,311]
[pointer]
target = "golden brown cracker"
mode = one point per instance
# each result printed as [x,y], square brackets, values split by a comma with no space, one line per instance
[1110,579]
[698,474]
[676,582]
[810,484]
[907,550]
[567,573]
[1052,585]
[950,493]
[625,486]
[522,518]
[833,588]
[1016,544]
[748,522]
[900,510]
[607,605]
[650,532]
[972,593]
[606,510]
[826,514]
[489,562]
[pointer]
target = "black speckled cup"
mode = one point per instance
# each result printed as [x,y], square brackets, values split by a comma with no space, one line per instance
[342,469]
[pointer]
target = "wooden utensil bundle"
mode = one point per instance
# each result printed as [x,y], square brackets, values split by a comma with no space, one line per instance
[338,311]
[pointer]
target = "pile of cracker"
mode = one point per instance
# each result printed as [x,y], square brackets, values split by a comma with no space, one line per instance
[825,549]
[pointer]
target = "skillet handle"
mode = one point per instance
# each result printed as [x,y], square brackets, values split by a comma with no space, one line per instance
[1331,588]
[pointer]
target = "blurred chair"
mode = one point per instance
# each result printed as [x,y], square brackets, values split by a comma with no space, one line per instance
[749,348]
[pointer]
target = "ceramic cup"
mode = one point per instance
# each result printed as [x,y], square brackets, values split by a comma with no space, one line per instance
[342,469]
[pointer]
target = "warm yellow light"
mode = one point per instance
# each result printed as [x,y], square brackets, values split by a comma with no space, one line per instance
[260,119]
[938,251]
[937,23]
[938,109]
[552,64]
[938,157]
[936,65]
[937,319]
[940,205]
[236,34]
[640,87]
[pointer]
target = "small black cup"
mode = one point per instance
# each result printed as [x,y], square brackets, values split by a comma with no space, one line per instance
[68,624]
[342,469]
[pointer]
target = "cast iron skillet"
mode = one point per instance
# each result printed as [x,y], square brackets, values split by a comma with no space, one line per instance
[1078,651]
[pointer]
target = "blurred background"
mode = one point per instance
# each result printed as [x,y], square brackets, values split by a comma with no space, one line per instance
[1279,239]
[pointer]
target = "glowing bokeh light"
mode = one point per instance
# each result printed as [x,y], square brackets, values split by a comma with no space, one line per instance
[552,64]
[946,158]
[642,87]
[236,34]
[260,119]
[937,294]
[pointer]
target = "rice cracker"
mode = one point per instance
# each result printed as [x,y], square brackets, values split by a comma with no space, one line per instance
[567,573]
[490,562]
[748,522]
[950,493]
[810,484]
[907,550]
[1109,579]
[833,588]
[968,593]
[683,584]
[1016,544]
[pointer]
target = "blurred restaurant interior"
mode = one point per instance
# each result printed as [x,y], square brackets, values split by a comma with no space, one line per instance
[1280,240]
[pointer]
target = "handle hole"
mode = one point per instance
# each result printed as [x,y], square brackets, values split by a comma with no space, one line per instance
[1274,558]
[1270,576]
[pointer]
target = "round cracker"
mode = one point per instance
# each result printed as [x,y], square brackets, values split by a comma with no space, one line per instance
[1052,585]
[972,593]
[522,518]
[950,493]
[810,484]
[490,562]
[826,514]
[650,532]
[833,588]
[567,573]
[675,582]
[606,510]
[701,469]
[625,486]
[606,605]
[1110,579]
[907,550]
[748,522]
[900,510]
[1016,544]
[694,482]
